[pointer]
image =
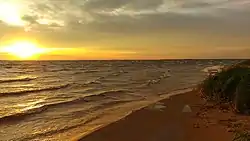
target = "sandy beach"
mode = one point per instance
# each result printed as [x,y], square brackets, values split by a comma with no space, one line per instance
[168,122]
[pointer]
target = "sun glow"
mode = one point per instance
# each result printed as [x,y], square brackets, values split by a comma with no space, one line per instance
[23,50]
[10,13]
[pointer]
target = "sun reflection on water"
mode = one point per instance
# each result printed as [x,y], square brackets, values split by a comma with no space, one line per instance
[30,105]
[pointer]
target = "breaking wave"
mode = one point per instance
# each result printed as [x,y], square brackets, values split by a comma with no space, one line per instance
[41,108]
[22,115]
[55,131]
[22,92]
[17,79]
[213,69]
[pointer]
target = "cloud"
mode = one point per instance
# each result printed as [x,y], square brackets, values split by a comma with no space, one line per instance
[137,16]
[103,18]
[114,4]
[137,24]
[131,14]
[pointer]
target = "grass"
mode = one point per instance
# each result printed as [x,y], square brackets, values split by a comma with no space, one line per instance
[245,63]
[242,136]
[231,85]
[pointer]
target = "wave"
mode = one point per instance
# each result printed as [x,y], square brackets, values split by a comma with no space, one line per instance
[159,79]
[22,115]
[100,79]
[17,79]
[15,93]
[91,98]
[115,92]
[56,131]
[67,128]
[42,108]
[56,70]
[120,72]
[78,72]
[37,110]
[107,94]
[7,66]
[179,91]
[94,82]
[102,106]
[91,71]
[213,69]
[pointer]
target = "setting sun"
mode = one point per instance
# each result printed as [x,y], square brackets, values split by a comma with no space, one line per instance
[23,50]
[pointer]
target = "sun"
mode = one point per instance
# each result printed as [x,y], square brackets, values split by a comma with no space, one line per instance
[23,50]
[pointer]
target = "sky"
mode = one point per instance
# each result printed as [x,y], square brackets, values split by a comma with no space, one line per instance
[128,29]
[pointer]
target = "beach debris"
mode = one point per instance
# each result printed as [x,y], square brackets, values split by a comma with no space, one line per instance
[186,109]
[158,106]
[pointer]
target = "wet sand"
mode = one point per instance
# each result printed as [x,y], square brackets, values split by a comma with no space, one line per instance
[168,122]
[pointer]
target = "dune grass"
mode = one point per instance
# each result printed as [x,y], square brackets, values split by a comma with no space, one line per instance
[242,136]
[231,85]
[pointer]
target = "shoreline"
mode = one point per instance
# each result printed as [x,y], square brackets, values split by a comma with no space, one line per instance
[164,120]
[162,96]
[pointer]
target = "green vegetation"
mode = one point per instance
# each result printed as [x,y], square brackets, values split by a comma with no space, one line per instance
[245,63]
[242,136]
[231,85]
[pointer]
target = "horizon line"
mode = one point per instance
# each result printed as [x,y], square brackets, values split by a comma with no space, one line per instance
[131,59]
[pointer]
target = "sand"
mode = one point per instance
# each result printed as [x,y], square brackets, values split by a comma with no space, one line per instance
[166,121]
